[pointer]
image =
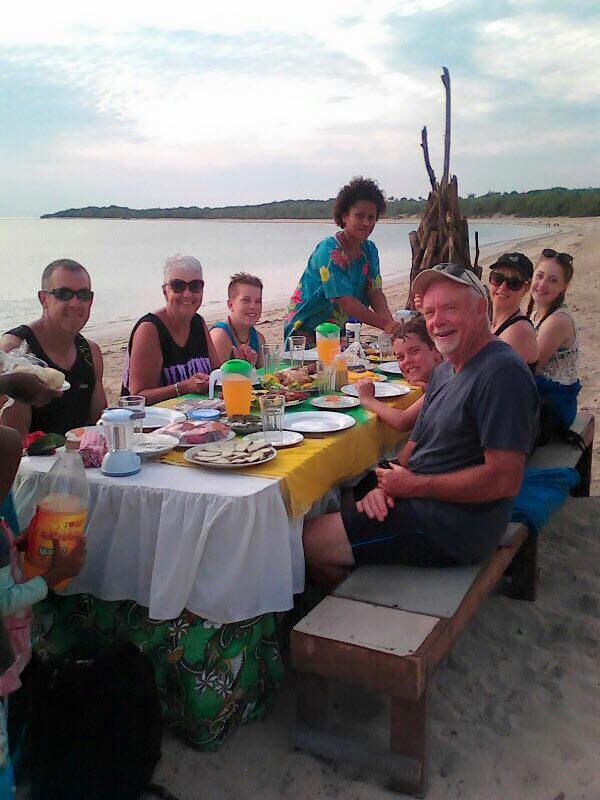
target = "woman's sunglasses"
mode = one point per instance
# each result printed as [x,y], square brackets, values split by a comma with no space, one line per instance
[65,294]
[513,283]
[179,286]
[564,258]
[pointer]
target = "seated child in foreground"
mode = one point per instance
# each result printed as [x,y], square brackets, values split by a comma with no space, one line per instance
[417,358]
[238,338]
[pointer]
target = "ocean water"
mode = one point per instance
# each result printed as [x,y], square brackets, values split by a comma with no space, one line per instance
[125,258]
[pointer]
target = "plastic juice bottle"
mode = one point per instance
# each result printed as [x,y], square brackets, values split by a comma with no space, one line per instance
[328,341]
[237,386]
[62,508]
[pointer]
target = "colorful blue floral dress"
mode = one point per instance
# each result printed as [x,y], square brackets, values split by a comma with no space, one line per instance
[329,274]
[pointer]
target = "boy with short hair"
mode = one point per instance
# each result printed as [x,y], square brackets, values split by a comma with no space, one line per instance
[238,337]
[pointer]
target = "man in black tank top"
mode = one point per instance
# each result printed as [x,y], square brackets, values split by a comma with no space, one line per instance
[66,300]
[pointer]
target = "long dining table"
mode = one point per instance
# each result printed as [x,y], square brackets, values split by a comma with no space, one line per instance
[193,564]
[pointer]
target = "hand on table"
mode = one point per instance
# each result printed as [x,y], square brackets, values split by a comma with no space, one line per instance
[246,353]
[398,481]
[365,390]
[197,384]
[27,388]
[375,504]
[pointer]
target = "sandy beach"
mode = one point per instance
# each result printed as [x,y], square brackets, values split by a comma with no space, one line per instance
[581,237]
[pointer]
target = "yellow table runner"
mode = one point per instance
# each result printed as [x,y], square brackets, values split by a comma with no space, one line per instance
[306,472]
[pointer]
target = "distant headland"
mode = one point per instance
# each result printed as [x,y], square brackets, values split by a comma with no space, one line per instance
[557,202]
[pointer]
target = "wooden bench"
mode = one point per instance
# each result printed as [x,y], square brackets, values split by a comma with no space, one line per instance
[387,628]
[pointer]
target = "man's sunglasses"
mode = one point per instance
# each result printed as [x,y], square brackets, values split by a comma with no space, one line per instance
[513,283]
[64,294]
[179,286]
[564,258]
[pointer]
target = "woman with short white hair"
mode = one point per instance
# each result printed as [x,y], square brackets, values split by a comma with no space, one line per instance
[170,351]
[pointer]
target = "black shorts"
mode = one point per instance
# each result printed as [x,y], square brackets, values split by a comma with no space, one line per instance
[399,539]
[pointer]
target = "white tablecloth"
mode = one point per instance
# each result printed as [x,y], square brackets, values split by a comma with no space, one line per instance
[219,544]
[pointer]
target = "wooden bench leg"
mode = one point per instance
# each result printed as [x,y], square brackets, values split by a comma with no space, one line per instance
[408,737]
[524,571]
[312,704]
[584,468]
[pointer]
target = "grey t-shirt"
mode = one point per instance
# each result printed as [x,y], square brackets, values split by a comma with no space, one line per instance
[491,403]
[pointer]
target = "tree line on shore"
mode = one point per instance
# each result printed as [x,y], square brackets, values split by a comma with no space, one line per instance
[557,202]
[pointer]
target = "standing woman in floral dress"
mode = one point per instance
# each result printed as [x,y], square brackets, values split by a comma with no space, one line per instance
[342,278]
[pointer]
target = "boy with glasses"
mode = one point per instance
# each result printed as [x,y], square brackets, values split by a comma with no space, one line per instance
[66,299]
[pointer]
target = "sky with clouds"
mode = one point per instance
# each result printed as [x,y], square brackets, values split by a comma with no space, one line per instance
[214,103]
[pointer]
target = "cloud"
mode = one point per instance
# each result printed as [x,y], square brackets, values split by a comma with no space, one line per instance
[232,102]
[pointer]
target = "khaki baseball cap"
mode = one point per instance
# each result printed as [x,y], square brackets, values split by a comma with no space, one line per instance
[452,272]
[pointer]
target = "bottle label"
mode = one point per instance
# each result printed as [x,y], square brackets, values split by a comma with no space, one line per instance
[46,526]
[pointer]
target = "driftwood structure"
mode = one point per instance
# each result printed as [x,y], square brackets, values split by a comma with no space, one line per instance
[443,234]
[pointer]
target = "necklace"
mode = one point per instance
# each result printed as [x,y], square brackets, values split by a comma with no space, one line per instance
[236,334]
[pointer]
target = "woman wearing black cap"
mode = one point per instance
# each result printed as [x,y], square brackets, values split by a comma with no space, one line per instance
[510,279]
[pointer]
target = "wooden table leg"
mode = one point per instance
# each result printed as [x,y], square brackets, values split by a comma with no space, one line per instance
[408,736]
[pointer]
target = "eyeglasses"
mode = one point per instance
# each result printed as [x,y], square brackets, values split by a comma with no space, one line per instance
[64,294]
[564,258]
[179,286]
[513,283]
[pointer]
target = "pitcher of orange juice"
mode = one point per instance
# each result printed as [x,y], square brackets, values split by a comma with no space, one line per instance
[62,508]
[236,380]
[328,341]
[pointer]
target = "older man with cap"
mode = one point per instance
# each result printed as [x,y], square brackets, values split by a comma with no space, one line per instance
[448,498]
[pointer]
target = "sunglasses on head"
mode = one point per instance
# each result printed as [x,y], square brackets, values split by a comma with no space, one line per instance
[179,286]
[564,258]
[513,283]
[65,294]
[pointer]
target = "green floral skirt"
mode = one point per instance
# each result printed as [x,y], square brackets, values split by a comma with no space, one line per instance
[210,677]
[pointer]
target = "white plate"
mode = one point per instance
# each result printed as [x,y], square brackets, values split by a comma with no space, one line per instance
[152,445]
[381,389]
[391,367]
[207,465]
[317,422]
[379,379]
[160,417]
[309,355]
[187,445]
[335,402]
[278,440]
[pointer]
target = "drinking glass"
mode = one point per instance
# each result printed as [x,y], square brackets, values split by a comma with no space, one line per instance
[135,403]
[272,408]
[297,348]
[325,378]
[384,344]
[271,357]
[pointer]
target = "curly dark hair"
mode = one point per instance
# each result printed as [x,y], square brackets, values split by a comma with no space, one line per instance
[358,189]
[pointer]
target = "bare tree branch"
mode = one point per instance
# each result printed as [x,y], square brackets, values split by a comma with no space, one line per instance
[428,166]
[446,81]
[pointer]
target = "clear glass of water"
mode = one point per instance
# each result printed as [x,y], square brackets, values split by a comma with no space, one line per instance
[325,378]
[135,403]
[272,409]
[384,344]
[271,357]
[297,347]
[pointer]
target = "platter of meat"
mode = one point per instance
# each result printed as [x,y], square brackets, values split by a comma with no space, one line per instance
[192,433]
[231,455]
[292,397]
[295,379]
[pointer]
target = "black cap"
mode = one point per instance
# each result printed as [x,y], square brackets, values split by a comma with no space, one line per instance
[518,261]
